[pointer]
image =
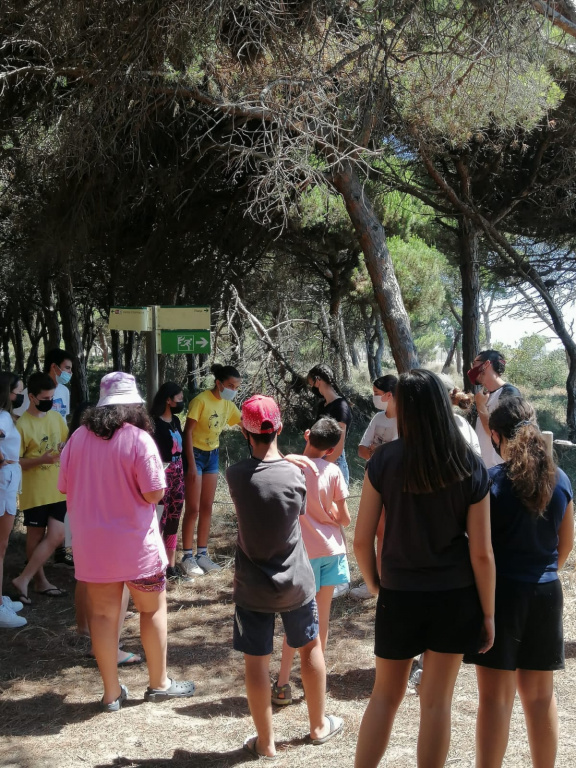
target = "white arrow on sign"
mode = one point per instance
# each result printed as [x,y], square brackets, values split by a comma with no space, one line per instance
[201,343]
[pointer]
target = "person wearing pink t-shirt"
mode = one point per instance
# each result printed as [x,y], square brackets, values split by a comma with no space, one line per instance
[112,475]
[322,531]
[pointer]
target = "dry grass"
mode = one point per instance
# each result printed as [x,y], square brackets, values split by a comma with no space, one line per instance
[49,689]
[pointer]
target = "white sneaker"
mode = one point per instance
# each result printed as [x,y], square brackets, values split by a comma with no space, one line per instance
[207,564]
[9,619]
[190,567]
[361,593]
[14,605]
[339,590]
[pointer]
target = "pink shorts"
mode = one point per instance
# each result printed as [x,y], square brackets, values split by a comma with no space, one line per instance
[156,583]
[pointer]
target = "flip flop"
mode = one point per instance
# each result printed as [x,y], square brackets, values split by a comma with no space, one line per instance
[336,725]
[23,598]
[52,592]
[131,660]
[250,747]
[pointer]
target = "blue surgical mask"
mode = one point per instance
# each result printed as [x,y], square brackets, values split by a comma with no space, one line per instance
[64,377]
[228,394]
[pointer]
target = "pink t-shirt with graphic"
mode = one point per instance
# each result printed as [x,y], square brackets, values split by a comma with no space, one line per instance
[321,533]
[115,535]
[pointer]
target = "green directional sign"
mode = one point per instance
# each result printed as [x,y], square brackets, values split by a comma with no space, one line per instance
[184,342]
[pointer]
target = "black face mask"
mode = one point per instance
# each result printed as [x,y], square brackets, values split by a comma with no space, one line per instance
[18,400]
[178,408]
[45,405]
[496,447]
[315,391]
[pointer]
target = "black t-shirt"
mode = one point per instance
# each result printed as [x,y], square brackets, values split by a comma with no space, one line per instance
[168,437]
[425,543]
[338,409]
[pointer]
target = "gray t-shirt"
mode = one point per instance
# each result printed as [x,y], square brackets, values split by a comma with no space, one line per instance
[272,571]
[425,543]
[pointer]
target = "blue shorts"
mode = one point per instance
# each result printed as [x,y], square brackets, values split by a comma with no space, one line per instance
[330,570]
[254,631]
[206,461]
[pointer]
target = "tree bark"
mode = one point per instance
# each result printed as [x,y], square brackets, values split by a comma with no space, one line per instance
[73,337]
[50,313]
[128,350]
[116,354]
[470,275]
[372,239]
[451,352]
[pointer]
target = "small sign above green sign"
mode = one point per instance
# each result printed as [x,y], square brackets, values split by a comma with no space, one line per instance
[184,342]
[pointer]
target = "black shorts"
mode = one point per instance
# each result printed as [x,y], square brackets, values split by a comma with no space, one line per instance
[409,623]
[37,517]
[528,623]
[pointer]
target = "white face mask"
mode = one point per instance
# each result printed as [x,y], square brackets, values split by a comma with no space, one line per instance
[382,405]
[228,394]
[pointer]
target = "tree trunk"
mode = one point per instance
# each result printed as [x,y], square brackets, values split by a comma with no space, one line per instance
[18,343]
[116,354]
[128,350]
[50,313]
[192,378]
[380,349]
[372,239]
[344,359]
[73,337]
[451,351]
[354,355]
[470,275]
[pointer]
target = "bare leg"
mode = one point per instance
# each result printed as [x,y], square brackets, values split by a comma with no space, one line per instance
[536,691]
[288,654]
[104,604]
[496,691]
[386,697]
[6,525]
[257,672]
[209,483]
[192,490]
[436,690]
[324,603]
[81,606]
[313,671]
[153,633]
[55,533]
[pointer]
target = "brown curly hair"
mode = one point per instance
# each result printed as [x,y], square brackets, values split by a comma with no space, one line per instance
[529,466]
[105,421]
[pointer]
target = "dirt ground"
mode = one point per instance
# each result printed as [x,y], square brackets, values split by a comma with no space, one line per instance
[49,687]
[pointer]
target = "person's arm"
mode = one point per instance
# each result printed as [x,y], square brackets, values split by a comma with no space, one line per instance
[482,559]
[188,441]
[300,461]
[365,452]
[340,512]
[153,497]
[50,457]
[566,535]
[366,524]
[366,448]
[481,401]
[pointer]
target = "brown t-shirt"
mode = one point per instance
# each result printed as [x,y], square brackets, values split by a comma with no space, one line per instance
[425,543]
[272,570]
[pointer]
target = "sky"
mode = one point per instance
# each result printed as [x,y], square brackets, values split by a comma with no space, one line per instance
[509,331]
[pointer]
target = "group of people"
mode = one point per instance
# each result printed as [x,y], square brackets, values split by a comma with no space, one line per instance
[463,524]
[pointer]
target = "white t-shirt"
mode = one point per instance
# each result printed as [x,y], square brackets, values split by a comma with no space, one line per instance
[10,443]
[491,458]
[468,434]
[61,402]
[381,429]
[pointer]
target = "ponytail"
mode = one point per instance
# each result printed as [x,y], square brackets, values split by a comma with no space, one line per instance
[530,467]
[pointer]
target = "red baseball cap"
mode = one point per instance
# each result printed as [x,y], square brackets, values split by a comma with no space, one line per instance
[261,415]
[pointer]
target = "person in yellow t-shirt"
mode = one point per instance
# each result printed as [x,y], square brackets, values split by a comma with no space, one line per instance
[208,414]
[43,432]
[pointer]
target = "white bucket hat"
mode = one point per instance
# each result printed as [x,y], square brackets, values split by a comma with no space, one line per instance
[118,388]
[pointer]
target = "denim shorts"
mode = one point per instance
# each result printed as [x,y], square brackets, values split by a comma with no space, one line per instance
[206,461]
[330,570]
[343,464]
[254,631]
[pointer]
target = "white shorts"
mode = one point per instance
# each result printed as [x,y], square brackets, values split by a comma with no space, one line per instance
[10,483]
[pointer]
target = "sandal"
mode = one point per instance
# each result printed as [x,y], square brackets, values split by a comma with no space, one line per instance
[281,694]
[116,705]
[250,747]
[336,725]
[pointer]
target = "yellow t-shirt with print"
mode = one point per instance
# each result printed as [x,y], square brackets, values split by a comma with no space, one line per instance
[40,434]
[212,416]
